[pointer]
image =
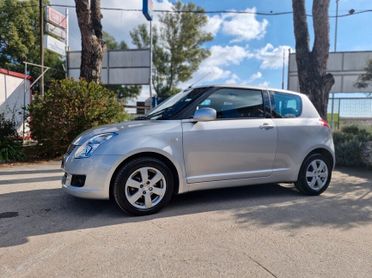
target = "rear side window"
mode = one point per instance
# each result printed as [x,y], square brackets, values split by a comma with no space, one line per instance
[286,105]
[233,103]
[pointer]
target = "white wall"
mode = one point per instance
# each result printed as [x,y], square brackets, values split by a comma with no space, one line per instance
[12,98]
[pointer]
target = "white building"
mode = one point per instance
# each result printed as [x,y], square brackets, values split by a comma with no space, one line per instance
[15,94]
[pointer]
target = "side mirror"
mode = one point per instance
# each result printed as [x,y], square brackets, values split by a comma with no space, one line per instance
[205,114]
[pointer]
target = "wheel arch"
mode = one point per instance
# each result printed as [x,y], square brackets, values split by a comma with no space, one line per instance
[156,155]
[323,151]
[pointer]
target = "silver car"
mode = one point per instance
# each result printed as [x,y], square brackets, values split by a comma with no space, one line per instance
[203,138]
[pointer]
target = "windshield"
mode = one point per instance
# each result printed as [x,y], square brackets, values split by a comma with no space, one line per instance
[174,104]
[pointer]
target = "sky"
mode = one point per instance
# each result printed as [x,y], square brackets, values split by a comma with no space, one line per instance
[247,48]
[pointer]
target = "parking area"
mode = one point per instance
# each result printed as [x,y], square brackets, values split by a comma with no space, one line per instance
[256,231]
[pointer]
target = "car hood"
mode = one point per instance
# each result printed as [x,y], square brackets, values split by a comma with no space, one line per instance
[117,128]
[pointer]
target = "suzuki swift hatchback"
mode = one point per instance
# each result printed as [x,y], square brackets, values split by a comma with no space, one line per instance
[203,138]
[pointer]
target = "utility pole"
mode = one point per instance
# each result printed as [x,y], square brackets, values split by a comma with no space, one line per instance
[289,56]
[335,49]
[67,42]
[336,26]
[283,68]
[41,23]
[150,83]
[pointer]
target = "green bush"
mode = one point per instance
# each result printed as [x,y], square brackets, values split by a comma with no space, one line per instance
[348,145]
[68,108]
[10,144]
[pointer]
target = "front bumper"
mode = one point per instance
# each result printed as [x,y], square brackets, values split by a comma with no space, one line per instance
[98,170]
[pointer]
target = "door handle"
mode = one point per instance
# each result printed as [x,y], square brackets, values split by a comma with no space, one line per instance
[266,126]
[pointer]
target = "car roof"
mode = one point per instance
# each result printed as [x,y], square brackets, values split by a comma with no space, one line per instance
[250,87]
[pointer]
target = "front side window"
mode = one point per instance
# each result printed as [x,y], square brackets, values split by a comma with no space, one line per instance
[285,105]
[233,103]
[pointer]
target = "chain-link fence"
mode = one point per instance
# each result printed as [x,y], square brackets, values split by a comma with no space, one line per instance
[350,111]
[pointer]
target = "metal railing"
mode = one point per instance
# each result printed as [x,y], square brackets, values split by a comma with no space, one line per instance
[350,110]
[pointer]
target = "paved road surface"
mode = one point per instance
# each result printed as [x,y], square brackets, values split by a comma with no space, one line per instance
[256,231]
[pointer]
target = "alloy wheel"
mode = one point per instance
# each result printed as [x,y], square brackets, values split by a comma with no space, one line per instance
[317,174]
[145,188]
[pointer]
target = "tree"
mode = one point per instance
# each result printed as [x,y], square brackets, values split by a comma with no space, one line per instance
[19,39]
[68,108]
[177,46]
[92,45]
[122,91]
[112,44]
[10,145]
[312,64]
[365,79]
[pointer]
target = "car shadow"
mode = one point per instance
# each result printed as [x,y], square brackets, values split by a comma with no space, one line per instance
[345,205]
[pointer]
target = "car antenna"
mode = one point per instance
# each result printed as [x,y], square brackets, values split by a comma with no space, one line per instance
[200,79]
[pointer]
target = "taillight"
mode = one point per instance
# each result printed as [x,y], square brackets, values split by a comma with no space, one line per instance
[324,123]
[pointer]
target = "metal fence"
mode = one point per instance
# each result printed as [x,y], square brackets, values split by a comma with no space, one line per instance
[350,110]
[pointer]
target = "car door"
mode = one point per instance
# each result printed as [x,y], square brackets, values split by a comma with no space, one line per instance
[295,133]
[239,144]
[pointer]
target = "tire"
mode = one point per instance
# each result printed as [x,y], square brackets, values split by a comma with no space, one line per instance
[137,195]
[315,175]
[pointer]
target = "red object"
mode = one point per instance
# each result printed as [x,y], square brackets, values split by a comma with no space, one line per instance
[324,123]
[56,18]
[15,74]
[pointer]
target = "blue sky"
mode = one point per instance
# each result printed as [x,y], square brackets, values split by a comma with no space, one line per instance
[246,49]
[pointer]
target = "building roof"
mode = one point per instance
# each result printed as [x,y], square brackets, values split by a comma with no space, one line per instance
[15,74]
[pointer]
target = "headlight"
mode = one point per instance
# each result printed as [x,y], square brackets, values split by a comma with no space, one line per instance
[88,148]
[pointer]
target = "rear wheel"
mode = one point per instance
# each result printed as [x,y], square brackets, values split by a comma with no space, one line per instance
[315,175]
[143,186]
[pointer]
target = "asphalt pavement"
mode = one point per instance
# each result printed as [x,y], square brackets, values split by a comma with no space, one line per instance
[254,231]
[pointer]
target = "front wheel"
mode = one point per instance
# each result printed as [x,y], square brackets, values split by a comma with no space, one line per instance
[315,175]
[143,186]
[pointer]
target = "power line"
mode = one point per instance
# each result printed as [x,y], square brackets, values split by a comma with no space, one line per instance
[270,13]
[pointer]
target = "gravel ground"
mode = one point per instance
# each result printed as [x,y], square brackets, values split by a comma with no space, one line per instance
[255,231]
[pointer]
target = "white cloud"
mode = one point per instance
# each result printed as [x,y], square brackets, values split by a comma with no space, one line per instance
[227,55]
[254,77]
[234,79]
[213,68]
[254,80]
[243,27]
[272,57]
[264,84]
[213,25]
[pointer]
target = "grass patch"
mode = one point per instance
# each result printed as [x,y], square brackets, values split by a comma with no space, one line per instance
[336,119]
